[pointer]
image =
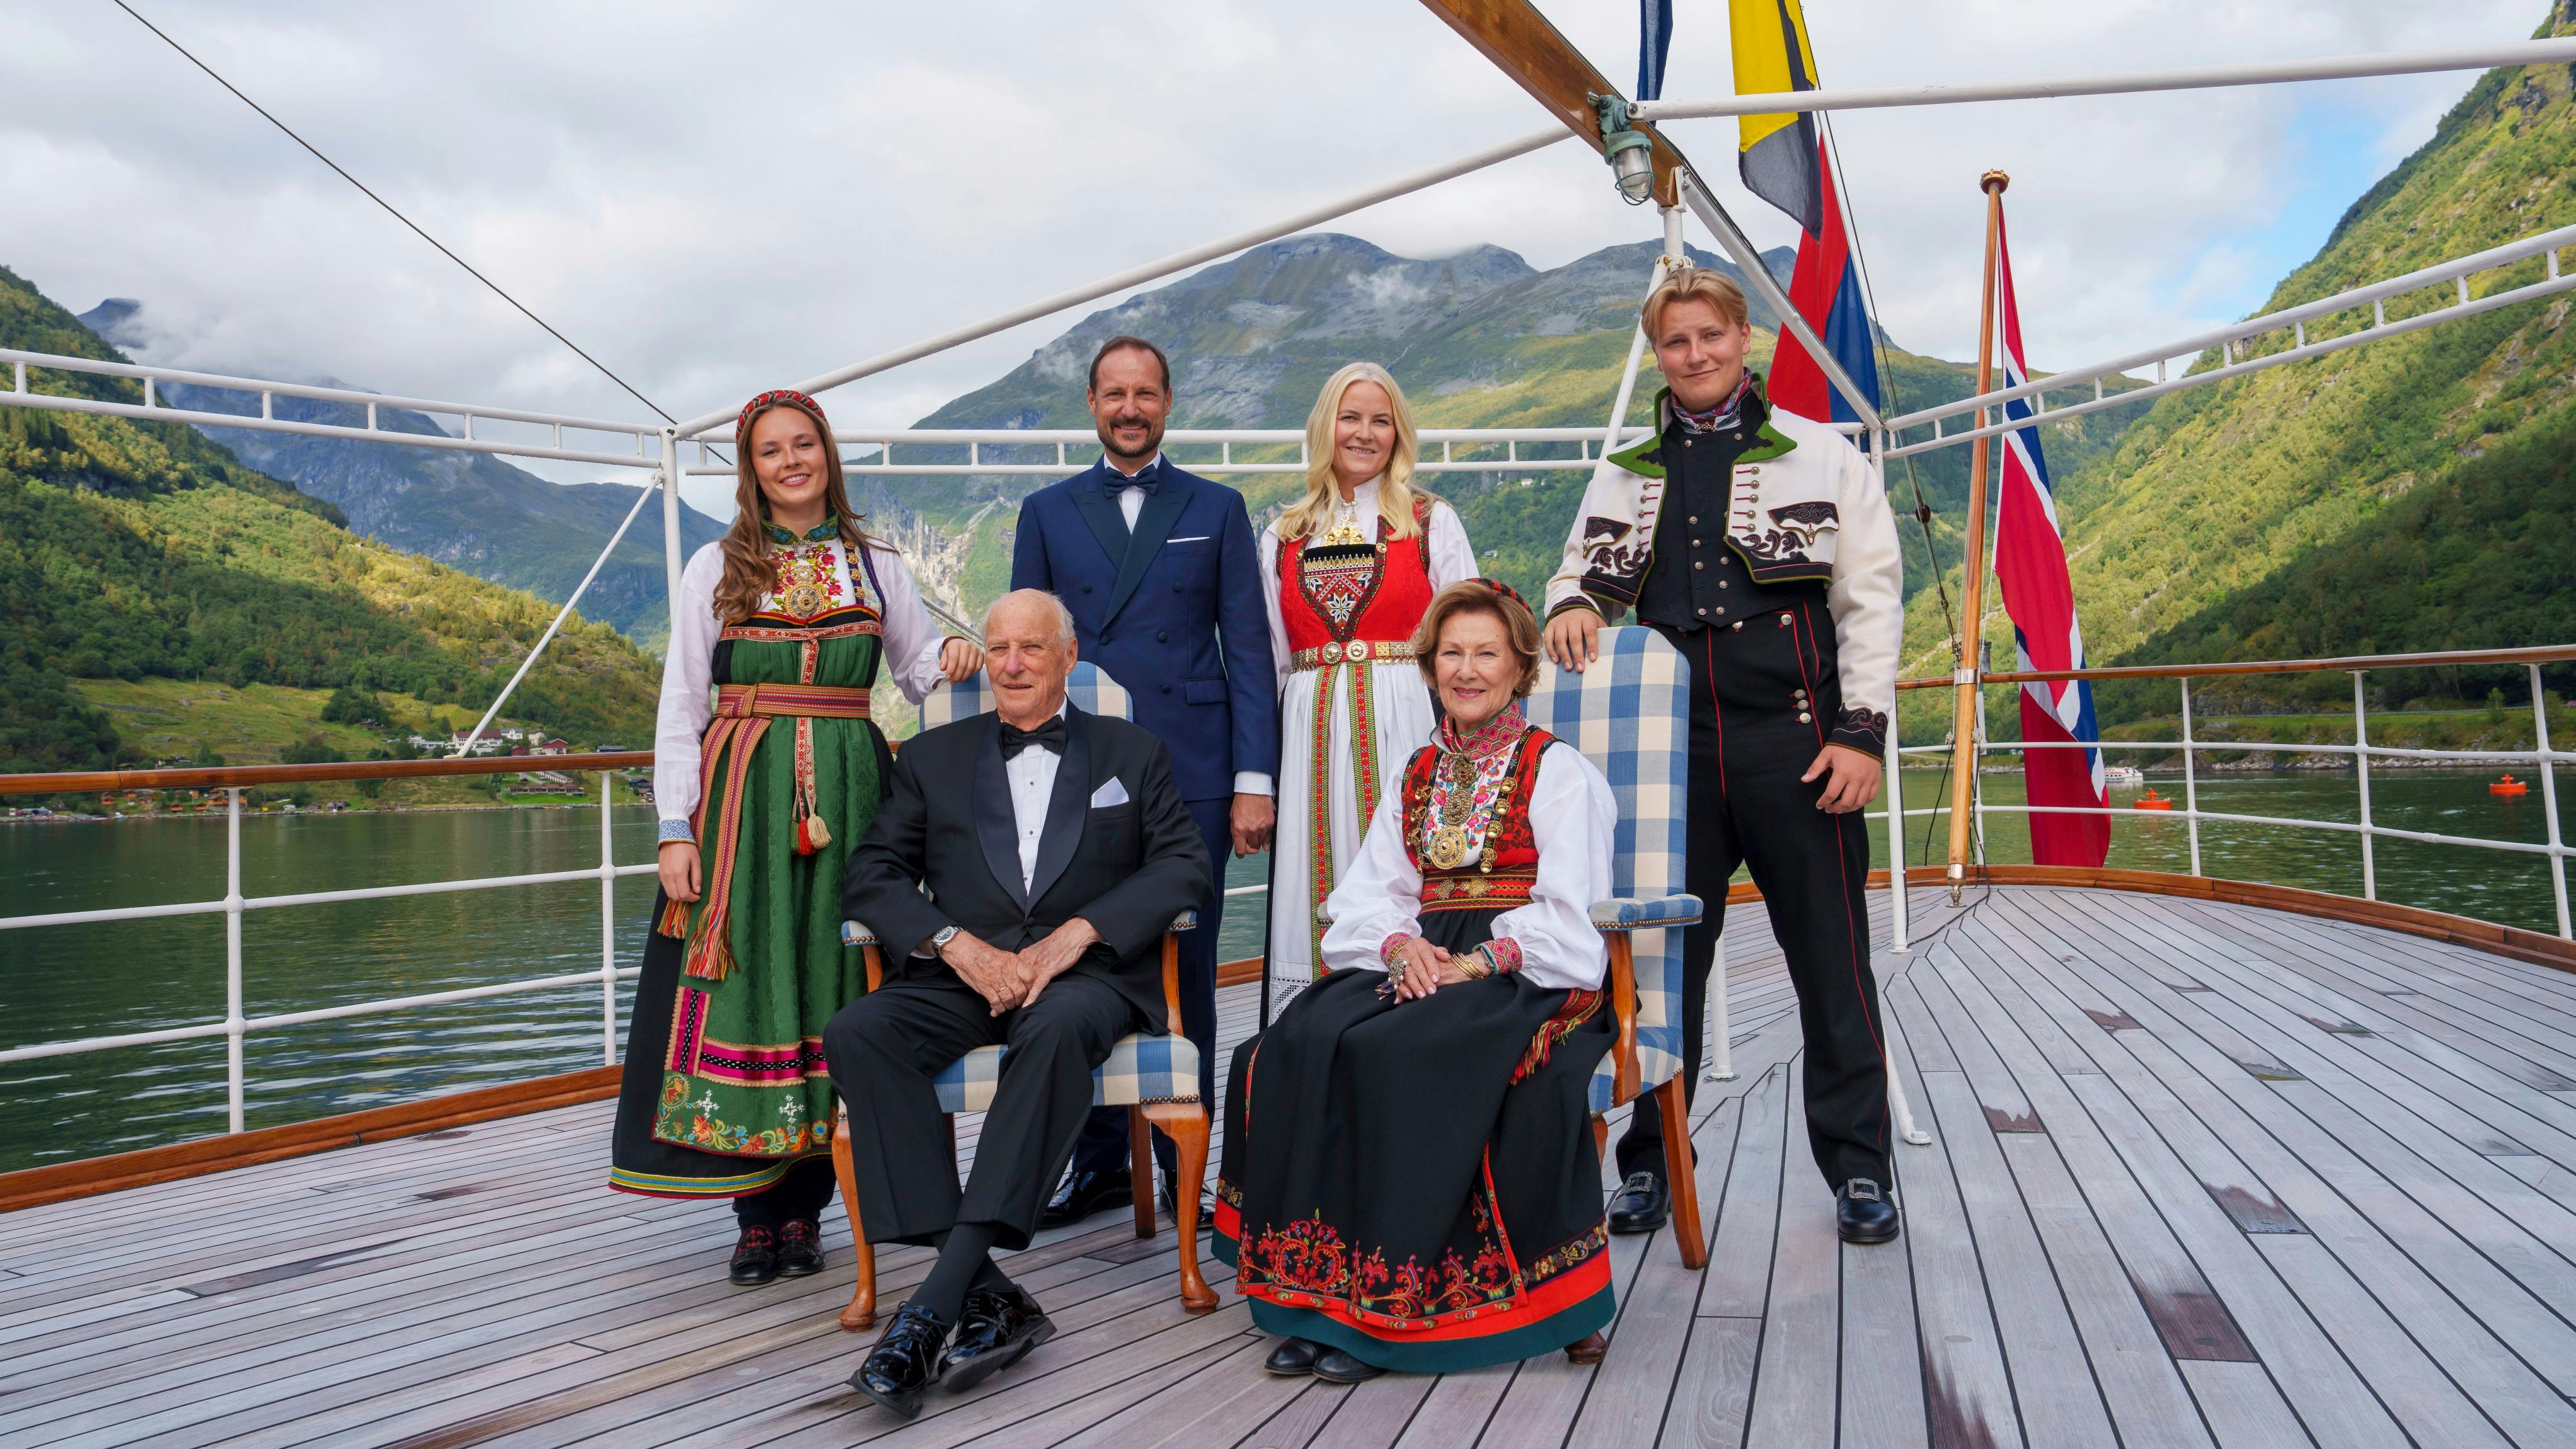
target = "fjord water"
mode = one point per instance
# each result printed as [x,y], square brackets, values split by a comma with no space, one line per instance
[130,976]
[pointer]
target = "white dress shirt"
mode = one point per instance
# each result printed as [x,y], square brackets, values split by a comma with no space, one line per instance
[1131,501]
[1032,776]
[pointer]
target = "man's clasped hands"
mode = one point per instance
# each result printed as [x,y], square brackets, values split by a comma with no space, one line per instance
[1009,980]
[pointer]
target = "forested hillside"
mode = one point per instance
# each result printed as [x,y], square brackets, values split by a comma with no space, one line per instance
[132,549]
[2409,494]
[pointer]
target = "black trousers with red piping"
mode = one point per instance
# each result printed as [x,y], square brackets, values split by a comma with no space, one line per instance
[1763,694]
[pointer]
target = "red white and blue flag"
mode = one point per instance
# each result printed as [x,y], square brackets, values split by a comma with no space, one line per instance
[2030,565]
[1826,290]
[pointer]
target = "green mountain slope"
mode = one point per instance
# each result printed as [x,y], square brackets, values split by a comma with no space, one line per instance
[2401,495]
[132,549]
[1478,340]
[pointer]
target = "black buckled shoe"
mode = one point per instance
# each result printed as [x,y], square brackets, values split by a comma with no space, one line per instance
[800,1249]
[1294,1358]
[755,1257]
[1863,1214]
[904,1362]
[1336,1367]
[995,1330]
[1086,1193]
[1642,1205]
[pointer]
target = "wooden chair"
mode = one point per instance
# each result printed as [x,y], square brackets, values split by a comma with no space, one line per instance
[1156,1078]
[1629,713]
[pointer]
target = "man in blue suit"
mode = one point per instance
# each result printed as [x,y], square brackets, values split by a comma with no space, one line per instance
[1159,569]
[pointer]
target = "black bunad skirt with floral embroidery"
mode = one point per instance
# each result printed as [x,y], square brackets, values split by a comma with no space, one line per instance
[1415,1183]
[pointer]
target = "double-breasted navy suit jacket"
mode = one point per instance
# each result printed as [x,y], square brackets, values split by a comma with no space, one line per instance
[1173,612]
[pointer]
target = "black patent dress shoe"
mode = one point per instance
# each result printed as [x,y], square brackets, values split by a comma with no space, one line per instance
[755,1257]
[904,1362]
[1336,1367]
[1863,1214]
[1086,1193]
[995,1330]
[1642,1204]
[1294,1358]
[800,1249]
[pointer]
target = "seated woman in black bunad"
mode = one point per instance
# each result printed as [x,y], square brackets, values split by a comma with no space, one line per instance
[1410,1180]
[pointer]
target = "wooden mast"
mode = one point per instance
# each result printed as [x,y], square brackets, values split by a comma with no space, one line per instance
[1524,46]
[1963,715]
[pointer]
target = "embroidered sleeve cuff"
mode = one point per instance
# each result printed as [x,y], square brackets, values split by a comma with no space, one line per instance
[1387,948]
[678,830]
[1579,601]
[1861,729]
[1503,953]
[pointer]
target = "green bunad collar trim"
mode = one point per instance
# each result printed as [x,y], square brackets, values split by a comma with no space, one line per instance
[829,528]
[1647,461]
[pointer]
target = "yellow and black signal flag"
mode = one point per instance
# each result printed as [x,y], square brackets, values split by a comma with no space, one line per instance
[1776,154]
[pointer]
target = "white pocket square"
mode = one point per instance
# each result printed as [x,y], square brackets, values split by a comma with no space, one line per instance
[1191,538]
[1110,794]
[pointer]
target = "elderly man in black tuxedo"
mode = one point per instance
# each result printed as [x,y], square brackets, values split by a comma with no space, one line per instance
[1021,872]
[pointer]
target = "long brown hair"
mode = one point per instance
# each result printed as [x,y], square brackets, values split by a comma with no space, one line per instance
[748,573]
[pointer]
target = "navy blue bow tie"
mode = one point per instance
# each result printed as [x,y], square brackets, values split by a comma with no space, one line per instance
[1149,478]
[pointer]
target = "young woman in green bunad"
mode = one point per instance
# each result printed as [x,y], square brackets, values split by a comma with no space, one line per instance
[766,771]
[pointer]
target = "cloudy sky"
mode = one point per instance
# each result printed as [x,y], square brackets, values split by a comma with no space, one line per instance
[719,198]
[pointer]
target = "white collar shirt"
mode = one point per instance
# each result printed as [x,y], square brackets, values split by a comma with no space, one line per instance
[1131,501]
[1032,777]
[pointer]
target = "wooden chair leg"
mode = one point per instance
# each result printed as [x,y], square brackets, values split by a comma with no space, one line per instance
[863,1302]
[1681,1170]
[1187,1125]
[1140,1167]
[1600,1134]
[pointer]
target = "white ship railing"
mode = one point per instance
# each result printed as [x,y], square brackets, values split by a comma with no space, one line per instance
[236,1024]
[1074,449]
[2541,759]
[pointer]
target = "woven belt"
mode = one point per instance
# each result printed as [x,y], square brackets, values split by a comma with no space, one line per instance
[784,701]
[1382,651]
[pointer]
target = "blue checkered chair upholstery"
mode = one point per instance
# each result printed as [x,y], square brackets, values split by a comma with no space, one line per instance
[1155,1077]
[1141,1069]
[1629,713]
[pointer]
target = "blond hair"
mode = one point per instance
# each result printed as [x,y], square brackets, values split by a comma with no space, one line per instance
[1309,515]
[1693,284]
[1478,596]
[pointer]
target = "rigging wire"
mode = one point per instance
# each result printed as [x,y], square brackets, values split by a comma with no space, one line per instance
[1887,372]
[396,214]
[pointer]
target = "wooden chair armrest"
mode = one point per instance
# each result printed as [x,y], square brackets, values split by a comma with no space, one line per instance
[1172,982]
[856,933]
[1624,1083]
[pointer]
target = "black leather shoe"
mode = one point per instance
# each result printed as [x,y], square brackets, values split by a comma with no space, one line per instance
[1642,1205]
[800,1249]
[995,1330]
[904,1362]
[1086,1193]
[755,1257]
[1336,1367]
[1863,1214]
[1294,1358]
[1171,1200]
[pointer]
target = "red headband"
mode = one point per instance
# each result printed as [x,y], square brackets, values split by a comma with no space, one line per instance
[1504,589]
[787,395]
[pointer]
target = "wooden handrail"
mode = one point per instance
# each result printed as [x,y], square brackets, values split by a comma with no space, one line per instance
[85,782]
[2535,654]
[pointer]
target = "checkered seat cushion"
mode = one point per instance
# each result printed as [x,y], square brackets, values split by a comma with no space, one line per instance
[1141,1068]
[1629,713]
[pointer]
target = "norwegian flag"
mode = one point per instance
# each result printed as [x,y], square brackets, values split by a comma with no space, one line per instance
[2030,565]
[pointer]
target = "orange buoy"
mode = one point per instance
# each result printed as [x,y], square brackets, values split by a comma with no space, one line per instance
[2508,786]
[2151,801]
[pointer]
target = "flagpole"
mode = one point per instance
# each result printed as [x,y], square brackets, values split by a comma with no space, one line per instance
[1964,673]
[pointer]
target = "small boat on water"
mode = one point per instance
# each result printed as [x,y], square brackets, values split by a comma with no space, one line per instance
[2509,786]
[2123,777]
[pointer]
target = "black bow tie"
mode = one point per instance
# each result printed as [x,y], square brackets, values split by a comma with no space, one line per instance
[1049,736]
[1149,478]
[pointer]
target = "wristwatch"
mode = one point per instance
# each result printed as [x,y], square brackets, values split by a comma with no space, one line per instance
[939,940]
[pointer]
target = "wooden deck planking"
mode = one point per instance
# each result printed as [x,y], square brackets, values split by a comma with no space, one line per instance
[2077,1262]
